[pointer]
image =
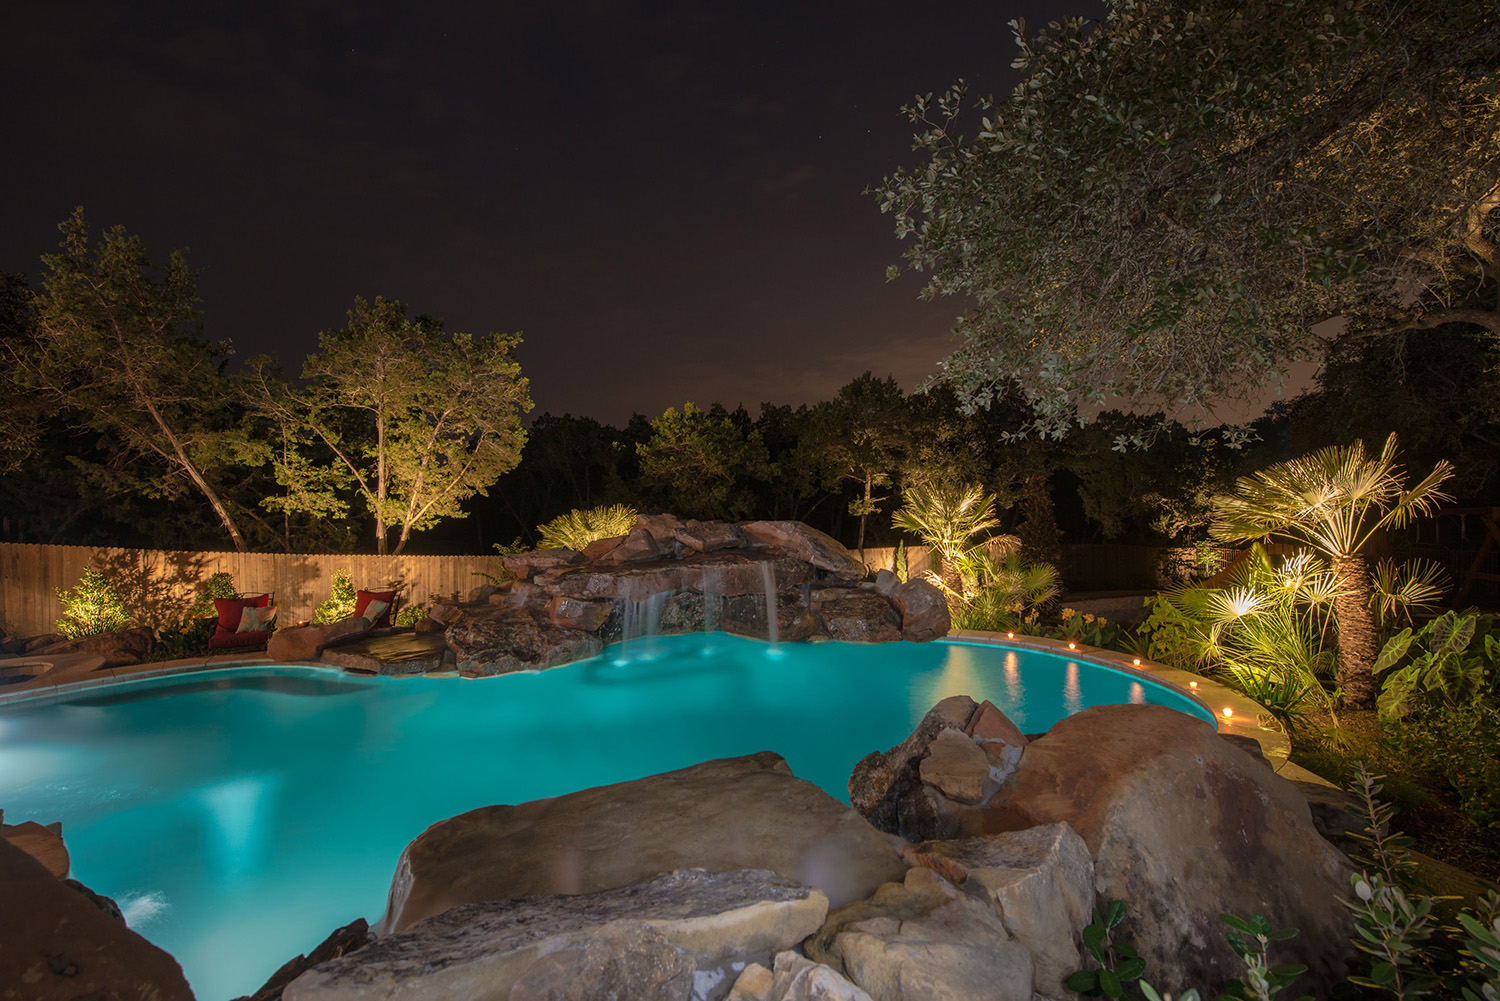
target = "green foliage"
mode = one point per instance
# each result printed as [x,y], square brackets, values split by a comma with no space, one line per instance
[411,420]
[1456,743]
[947,518]
[1119,965]
[339,604]
[410,615]
[90,607]
[1172,196]
[116,348]
[1399,589]
[861,435]
[899,564]
[701,463]
[577,529]
[218,585]
[1452,660]
[1088,629]
[1482,948]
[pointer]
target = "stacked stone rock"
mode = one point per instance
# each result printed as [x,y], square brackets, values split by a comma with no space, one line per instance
[565,605]
[701,883]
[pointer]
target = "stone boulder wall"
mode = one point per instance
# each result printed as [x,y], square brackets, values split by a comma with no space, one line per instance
[794,978]
[502,639]
[733,813]
[1183,826]
[57,944]
[705,574]
[924,940]
[673,937]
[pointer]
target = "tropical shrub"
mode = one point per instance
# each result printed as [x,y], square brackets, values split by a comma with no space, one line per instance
[948,518]
[339,604]
[1451,660]
[410,615]
[578,528]
[1008,595]
[1090,630]
[1456,743]
[90,607]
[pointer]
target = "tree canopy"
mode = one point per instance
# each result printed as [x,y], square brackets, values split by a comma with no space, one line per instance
[1171,199]
[412,420]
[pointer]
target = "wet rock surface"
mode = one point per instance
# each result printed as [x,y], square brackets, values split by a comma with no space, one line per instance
[391,654]
[502,639]
[299,643]
[677,935]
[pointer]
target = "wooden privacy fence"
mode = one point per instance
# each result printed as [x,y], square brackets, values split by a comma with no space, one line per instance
[1103,567]
[158,587]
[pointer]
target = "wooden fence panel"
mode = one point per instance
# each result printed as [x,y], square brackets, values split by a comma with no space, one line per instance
[158,586]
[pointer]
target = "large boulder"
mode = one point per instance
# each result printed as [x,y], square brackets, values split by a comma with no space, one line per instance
[924,940]
[308,642]
[672,937]
[575,613]
[637,546]
[745,615]
[923,608]
[860,617]
[56,944]
[393,654]
[808,545]
[733,813]
[1039,883]
[708,536]
[502,639]
[119,649]
[1182,827]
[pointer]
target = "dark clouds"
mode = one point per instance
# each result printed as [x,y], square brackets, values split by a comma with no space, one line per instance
[665,199]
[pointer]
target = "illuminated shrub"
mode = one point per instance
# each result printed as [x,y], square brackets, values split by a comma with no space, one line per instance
[90,607]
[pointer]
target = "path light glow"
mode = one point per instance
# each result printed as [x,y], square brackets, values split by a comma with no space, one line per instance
[1072,646]
[1192,684]
[1137,662]
[1228,712]
[1010,635]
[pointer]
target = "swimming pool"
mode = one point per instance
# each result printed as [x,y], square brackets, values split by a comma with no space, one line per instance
[256,809]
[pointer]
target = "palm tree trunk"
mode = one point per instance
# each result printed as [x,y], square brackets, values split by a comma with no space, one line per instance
[1359,638]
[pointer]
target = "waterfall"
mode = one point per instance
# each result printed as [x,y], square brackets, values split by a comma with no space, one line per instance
[640,625]
[768,576]
[713,599]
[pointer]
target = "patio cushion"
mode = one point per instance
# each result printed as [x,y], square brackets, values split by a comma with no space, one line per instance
[362,601]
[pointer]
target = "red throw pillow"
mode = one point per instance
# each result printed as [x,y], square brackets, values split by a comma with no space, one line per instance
[231,610]
[362,601]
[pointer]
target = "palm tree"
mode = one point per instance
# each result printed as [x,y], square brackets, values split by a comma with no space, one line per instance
[946,518]
[1333,501]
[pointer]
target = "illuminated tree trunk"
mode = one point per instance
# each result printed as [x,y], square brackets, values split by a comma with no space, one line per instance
[1359,637]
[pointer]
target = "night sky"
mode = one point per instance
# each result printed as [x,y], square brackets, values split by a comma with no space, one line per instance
[665,199]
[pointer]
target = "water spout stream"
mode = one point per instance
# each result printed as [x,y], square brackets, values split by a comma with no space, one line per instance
[768,576]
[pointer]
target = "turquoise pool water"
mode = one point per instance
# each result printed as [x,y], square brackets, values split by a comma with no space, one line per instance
[238,816]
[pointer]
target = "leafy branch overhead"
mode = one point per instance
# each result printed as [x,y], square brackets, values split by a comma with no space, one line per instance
[1171,200]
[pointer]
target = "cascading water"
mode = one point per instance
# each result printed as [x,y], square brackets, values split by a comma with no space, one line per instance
[768,577]
[639,627]
[713,599]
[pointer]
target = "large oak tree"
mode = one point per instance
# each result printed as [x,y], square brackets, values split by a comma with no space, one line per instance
[1172,198]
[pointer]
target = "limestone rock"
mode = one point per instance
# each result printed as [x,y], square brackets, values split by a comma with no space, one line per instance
[956,765]
[393,654]
[638,546]
[886,786]
[479,595]
[808,545]
[309,642]
[924,610]
[60,946]
[886,582]
[118,649]
[795,979]
[351,937]
[733,813]
[527,565]
[43,843]
[574,613]
[631,582]
[646,940]
[502,640]
[1183,827]
[709,536]
[445,614]
[662,527]
[1040,883]
[860,617]
[924,940]
[1001,740]
[521,594]
[427,624]
[34,643]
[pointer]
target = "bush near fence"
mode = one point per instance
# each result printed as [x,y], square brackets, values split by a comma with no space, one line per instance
[158,587]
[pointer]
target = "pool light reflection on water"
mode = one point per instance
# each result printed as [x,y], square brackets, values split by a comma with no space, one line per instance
[239,816]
